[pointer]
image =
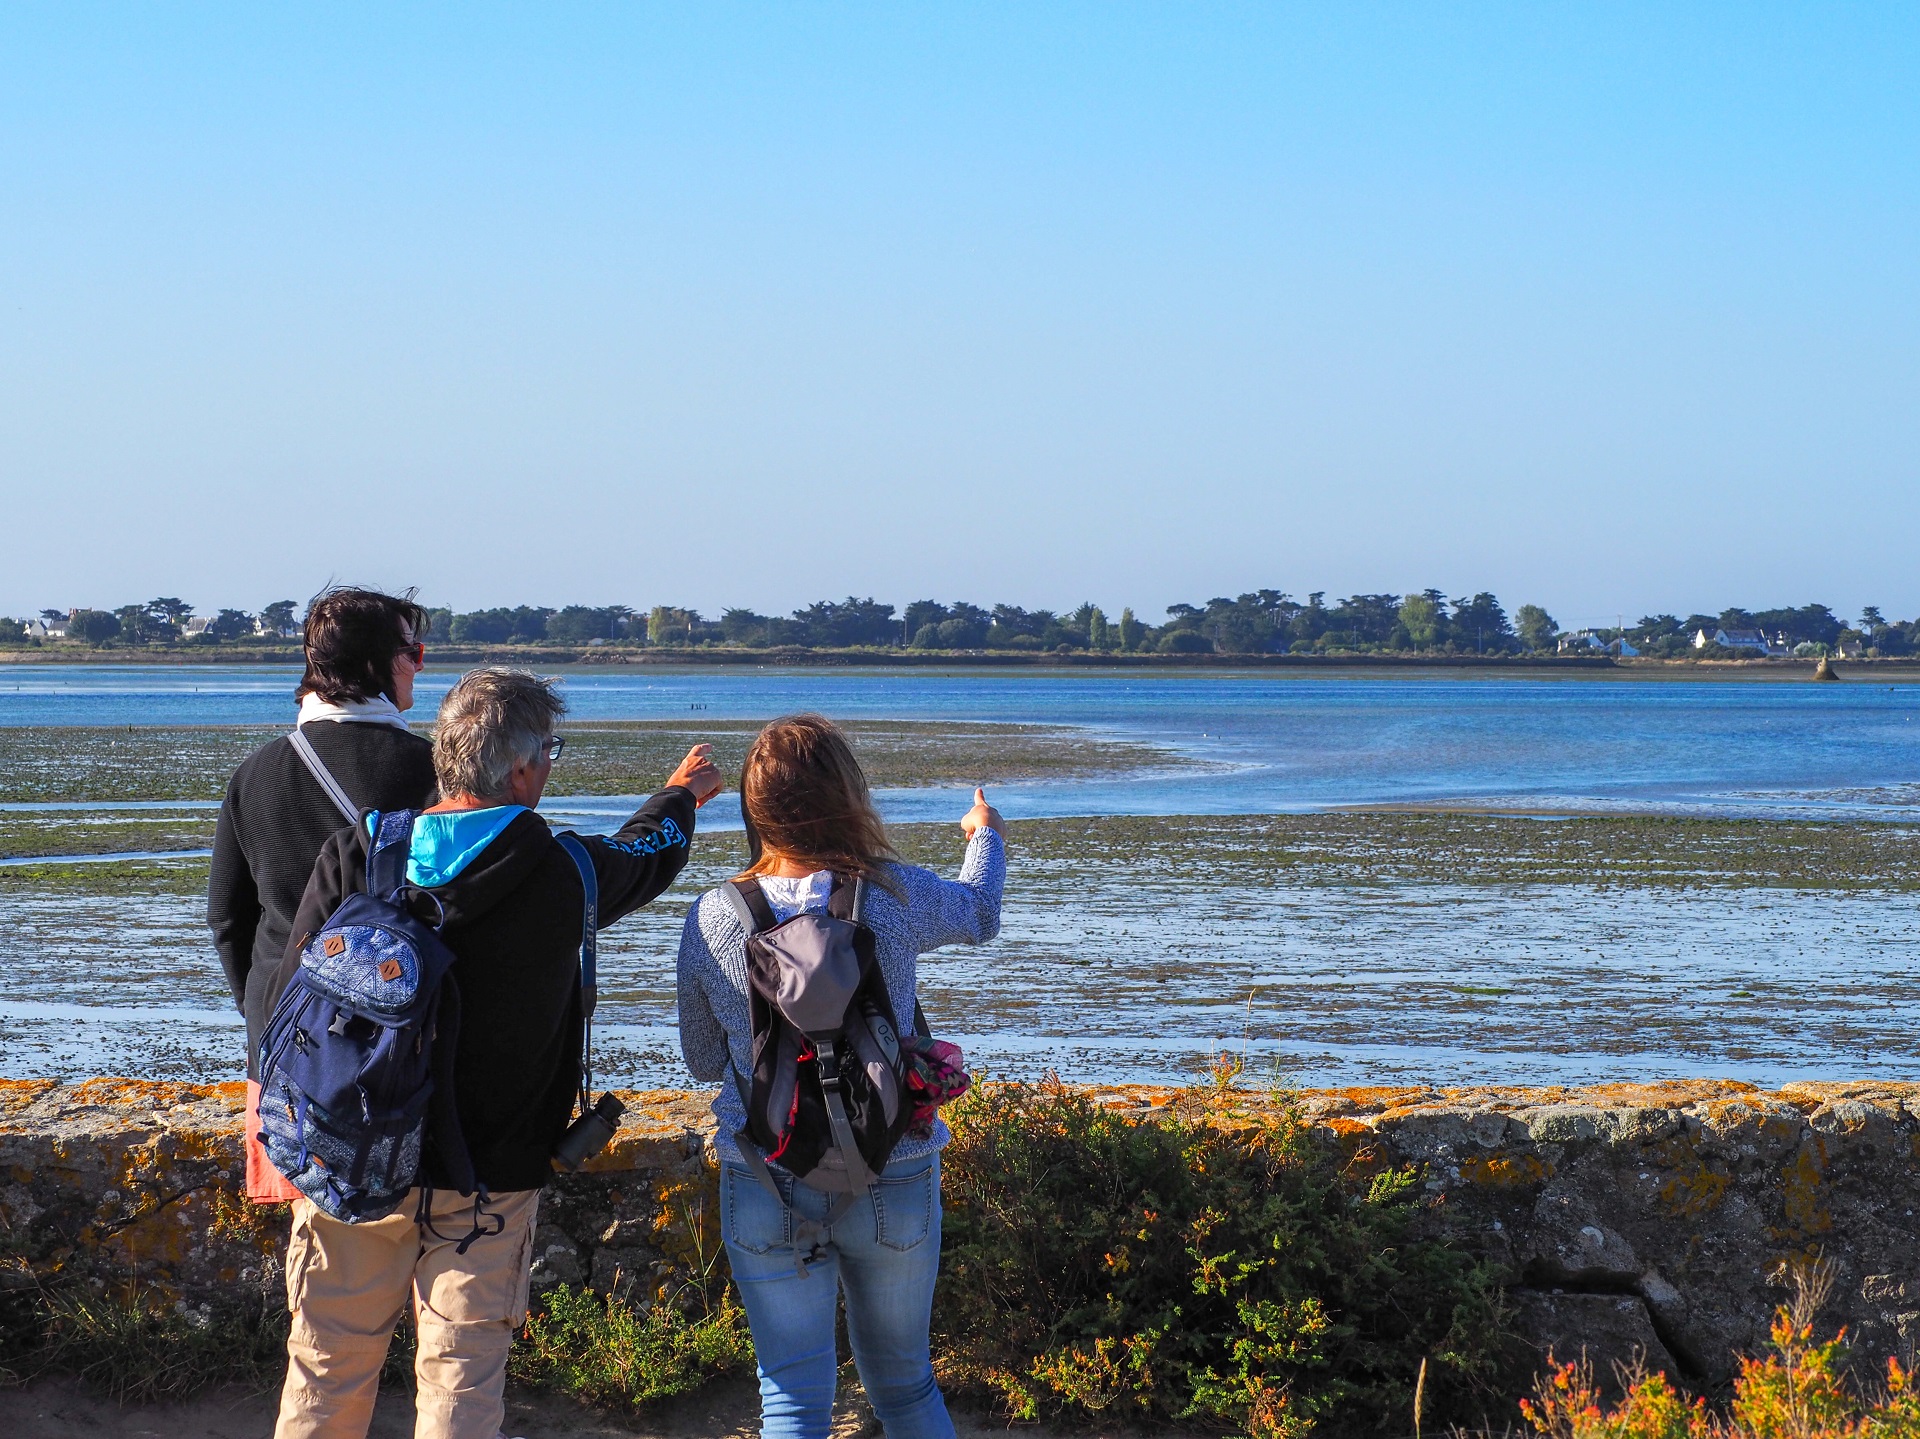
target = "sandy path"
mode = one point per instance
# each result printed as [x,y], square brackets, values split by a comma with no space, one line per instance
[61,1410]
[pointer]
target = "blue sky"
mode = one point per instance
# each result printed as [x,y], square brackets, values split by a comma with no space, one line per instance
[1605,307]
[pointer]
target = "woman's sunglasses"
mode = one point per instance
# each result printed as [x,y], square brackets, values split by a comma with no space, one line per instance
[417,652]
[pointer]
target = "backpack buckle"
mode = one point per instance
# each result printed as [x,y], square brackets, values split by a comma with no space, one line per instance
[828,1063]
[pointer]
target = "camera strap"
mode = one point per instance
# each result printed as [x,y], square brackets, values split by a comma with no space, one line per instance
[589,982]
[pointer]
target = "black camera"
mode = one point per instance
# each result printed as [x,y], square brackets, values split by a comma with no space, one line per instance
[589,1134]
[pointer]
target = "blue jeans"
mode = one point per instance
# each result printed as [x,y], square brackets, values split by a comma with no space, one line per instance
[885,1252]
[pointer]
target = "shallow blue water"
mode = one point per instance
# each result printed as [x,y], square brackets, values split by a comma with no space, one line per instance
[1279,741]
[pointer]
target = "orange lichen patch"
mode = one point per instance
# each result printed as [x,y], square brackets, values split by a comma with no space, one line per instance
[1345,1128]
[1801,1190]
[1666,1094]
[18,1094]
[1767,1113]
[1695,1190]
[1368,1098]
[630,1151]
[1505,1097]
[1504,1171]
[153,1094]
[1814,1093]
[686,1220]
[1136,1097]
[165,1199]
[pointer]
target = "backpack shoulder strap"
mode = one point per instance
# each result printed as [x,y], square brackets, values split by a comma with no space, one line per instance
[589,958]
[310,757]
[387,851]
[749,901]
[849,898]
[590,921]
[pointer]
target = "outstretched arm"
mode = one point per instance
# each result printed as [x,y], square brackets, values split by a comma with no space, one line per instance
[637,864]
[967,910]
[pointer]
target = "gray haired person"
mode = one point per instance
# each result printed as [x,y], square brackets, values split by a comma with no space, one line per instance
[512,901]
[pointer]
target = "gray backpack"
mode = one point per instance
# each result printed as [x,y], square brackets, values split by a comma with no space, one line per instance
[827,1096]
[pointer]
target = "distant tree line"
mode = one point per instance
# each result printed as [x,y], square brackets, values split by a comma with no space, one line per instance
[1261,622]
[166,620]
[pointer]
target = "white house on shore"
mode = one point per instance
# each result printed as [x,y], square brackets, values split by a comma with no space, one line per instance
[1594,640]
[1732,639]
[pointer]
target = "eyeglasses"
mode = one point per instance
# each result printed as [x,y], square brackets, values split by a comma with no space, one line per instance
[417,652]
[554,746]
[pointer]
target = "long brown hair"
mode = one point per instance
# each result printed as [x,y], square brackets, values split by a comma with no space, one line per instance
[804,797]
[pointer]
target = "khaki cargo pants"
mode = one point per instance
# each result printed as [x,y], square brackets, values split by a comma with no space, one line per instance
[347,1286]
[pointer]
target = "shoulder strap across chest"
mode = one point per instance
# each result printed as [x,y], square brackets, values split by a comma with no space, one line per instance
[310,757]
[749,901]
[387,850]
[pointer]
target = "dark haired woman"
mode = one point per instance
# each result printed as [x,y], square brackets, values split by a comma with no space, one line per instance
[363,650]
[809,818]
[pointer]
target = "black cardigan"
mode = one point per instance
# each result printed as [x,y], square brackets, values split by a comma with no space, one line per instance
[272,824]
[512,918]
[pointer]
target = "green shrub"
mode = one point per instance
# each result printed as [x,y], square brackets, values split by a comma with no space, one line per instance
[603,1350]
[139,1349]
[1210,1266]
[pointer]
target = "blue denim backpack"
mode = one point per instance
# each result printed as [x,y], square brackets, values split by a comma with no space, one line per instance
[354,1065]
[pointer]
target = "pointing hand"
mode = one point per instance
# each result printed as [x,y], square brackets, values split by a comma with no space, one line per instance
[982,815]
[698,773]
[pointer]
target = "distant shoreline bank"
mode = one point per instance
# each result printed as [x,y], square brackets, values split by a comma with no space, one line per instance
[799,658]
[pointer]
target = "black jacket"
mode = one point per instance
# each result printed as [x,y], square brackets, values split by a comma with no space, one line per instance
[272,824]
[513,916]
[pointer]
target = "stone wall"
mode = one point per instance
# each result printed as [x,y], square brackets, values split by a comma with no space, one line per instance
[1666,1218]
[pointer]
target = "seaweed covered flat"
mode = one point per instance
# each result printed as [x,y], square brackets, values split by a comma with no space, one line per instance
[1332,948]
[107,764]
[31,833]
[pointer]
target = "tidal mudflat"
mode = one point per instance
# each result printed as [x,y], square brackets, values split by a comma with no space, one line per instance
[99,764]
[1322,948]
[27,834]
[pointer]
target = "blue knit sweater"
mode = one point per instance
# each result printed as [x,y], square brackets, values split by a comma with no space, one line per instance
[715,1033]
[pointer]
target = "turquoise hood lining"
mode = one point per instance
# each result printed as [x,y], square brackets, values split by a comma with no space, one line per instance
[445,844]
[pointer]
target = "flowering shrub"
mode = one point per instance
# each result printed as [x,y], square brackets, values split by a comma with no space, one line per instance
[1797,1391]
[1212,1266]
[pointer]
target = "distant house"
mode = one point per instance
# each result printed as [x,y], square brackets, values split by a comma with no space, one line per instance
[198,625]
[46,630]
[1580,640]
[1732,639]
[1623,647]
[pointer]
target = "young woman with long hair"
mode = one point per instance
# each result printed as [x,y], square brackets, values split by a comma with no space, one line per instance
[809,819]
